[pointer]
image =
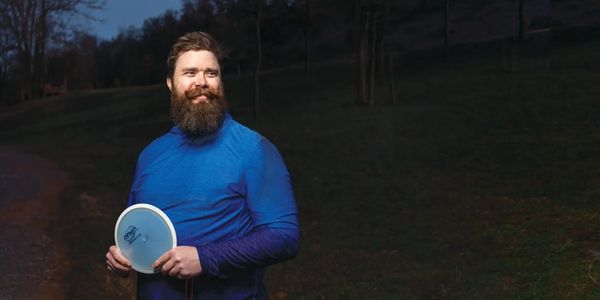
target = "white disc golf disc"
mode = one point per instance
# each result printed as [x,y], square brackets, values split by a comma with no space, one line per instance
[143,233]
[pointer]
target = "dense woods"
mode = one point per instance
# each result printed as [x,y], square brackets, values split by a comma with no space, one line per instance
[67,56]
[41,55]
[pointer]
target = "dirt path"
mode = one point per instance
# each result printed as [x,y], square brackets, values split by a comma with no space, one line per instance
[34,258]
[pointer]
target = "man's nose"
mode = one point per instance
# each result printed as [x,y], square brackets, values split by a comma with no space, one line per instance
[200,81]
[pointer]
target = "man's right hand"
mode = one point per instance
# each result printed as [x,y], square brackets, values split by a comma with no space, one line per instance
[116,262]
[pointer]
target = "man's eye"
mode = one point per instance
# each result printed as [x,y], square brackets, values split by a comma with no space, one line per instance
[188,73]
[212,74]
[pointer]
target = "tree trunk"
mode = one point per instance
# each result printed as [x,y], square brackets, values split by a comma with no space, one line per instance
[307,57]
[39,60]
[514,54]
[392,82]
[3,99]
[358,40]
[25,78]
[372,57]
[382,25]
[504,56]
[258,60]
[520,33]
[446,29]
[521,28]
[363,57]
[24,16]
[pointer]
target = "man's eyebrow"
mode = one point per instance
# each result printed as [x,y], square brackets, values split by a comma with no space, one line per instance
[193,69]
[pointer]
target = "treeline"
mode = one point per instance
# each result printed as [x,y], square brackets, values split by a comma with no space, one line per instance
[41,55]
[137,56]
[79,60]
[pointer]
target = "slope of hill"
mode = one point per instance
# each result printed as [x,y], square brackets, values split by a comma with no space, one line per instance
[476,184]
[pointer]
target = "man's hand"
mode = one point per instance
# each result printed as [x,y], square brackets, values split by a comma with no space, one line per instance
[116,262]
[181,262]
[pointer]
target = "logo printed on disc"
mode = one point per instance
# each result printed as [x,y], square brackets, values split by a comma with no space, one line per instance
[130,235]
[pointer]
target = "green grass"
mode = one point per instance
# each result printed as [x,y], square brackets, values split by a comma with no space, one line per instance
[476,184]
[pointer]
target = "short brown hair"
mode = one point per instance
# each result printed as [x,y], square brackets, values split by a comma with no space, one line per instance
[192,41]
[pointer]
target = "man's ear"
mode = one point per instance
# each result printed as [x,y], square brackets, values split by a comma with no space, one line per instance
[169,83]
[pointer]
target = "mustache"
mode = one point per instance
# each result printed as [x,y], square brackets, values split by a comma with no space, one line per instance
[195,92]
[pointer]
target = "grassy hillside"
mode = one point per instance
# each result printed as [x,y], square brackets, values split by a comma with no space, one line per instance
[477,184]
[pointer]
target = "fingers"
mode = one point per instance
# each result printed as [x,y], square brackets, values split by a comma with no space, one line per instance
[118,257]
[168,266]
[159,263]
[116,262]
[171,270]
[116,271]
[181,262]
[168,263]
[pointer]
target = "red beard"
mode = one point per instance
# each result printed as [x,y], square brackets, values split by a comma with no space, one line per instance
[201,118]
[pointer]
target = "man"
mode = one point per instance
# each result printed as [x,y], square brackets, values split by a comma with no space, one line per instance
[224,187]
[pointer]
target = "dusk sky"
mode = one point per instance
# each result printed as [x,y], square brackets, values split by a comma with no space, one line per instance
[124,13]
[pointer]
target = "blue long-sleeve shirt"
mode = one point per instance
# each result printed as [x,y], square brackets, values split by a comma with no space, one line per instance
[228,194]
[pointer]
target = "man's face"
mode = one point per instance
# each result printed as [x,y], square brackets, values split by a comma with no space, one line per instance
[197,99]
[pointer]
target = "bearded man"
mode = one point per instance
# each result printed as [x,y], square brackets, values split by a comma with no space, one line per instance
[225,188]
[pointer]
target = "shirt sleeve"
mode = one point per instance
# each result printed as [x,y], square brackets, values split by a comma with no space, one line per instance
[132,199]
[270,202]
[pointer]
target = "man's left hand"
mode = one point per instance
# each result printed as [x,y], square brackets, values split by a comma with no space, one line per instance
[181,262]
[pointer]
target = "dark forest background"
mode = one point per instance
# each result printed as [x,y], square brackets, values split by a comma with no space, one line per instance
[42,55]
[439,149]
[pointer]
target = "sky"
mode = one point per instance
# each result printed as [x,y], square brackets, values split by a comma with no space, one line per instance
[124,13]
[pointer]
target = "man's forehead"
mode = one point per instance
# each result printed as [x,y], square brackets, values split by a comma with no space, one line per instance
[197,58]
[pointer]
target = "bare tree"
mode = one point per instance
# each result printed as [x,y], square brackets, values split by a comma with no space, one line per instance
[5,63]
[446,27]
[30,24]
[521,20]
[392,81]
[307,37]
[520,34]
[259,11]
[371,22]
[365,44]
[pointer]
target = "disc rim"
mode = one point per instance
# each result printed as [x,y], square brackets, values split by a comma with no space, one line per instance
[154,209]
